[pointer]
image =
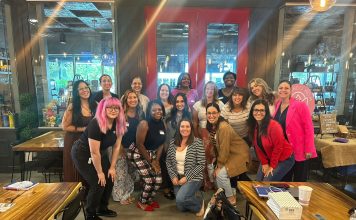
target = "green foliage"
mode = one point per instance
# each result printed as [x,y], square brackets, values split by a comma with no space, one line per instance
[27,116]
[26,100]
[26,133]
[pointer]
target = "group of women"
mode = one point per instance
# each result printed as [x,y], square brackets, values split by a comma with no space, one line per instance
[172,140]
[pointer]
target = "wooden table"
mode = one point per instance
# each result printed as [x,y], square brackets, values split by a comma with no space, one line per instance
[336,154]
[44,143]
[41,202]
[325,200]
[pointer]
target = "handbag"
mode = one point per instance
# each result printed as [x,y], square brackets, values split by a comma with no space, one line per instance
[221,209]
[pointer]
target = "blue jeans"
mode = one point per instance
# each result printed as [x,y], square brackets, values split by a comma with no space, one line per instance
[279,172]
[185,197]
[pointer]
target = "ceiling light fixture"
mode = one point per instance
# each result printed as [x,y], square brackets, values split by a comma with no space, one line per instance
[62,38]
[321,5]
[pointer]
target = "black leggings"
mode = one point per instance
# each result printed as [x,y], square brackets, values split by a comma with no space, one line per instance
[98,196]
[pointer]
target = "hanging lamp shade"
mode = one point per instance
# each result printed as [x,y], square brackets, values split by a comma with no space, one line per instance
[321,5]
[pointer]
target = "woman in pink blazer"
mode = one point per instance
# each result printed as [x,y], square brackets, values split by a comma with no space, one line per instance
[295,119]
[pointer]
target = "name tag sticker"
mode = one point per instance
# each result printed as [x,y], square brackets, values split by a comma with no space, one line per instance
[127,124]
[161,132]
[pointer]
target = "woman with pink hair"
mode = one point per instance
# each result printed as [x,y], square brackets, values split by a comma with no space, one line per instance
[91,159]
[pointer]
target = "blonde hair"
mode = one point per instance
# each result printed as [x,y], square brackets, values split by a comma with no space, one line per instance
[267,92]
[204,99]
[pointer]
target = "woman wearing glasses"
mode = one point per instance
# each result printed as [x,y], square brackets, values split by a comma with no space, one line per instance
[273,150]
[231,151]
[91,159]
[75,119]
[210,95]
[150,137]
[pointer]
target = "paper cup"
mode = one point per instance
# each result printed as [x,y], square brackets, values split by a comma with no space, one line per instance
[304,194]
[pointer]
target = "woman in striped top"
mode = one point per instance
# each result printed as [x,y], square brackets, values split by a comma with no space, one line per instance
[236,112]
[185,164]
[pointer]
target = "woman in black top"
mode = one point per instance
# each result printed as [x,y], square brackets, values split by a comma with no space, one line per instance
[229,81]
[90,156]
[105,83]
[150,137]
[124,184]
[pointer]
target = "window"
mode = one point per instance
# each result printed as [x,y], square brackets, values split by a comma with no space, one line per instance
[76,43]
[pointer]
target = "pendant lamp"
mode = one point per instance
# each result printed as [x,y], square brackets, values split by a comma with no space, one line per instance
[321,5]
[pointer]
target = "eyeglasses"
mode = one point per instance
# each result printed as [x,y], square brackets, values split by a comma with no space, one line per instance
[212,113]
[261,111]
[113,108]
[83,89]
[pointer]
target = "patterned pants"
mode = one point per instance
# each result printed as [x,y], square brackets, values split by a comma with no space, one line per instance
[152,180]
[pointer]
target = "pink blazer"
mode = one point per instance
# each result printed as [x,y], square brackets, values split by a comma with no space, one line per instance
[299,129]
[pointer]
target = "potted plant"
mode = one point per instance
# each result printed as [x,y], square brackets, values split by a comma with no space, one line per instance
[28,117]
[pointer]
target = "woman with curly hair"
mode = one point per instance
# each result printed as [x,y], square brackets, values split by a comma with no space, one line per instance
[260,90]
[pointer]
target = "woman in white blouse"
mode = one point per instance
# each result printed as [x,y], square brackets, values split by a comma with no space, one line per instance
[185,164]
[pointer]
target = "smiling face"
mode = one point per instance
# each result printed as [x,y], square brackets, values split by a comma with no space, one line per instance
[112,111]
[212,114]
[180,103]
[132,100]
[156,111]
[229,80]
[257,89]
[284,90]
[164,92]
[259,112]
[237,99]
[106,83]
[185,81]
[209,90]
[83,90]
[136,85]
[185,129]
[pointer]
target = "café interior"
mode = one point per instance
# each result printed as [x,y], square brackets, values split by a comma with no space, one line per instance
[46,45]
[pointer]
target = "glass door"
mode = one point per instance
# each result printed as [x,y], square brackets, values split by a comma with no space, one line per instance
[204,42]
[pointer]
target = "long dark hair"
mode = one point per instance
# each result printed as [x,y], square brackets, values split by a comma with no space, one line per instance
[149,109]
[77,116]
[211,127]
[178,137]
[170,96]
[239,91]
[179,81]
[252,123]
[139,112]
[186,112]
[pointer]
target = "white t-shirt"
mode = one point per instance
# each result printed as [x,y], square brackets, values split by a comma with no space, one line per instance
[180,157]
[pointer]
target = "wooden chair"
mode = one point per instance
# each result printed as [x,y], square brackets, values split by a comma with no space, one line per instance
[251,209]
[72,210]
